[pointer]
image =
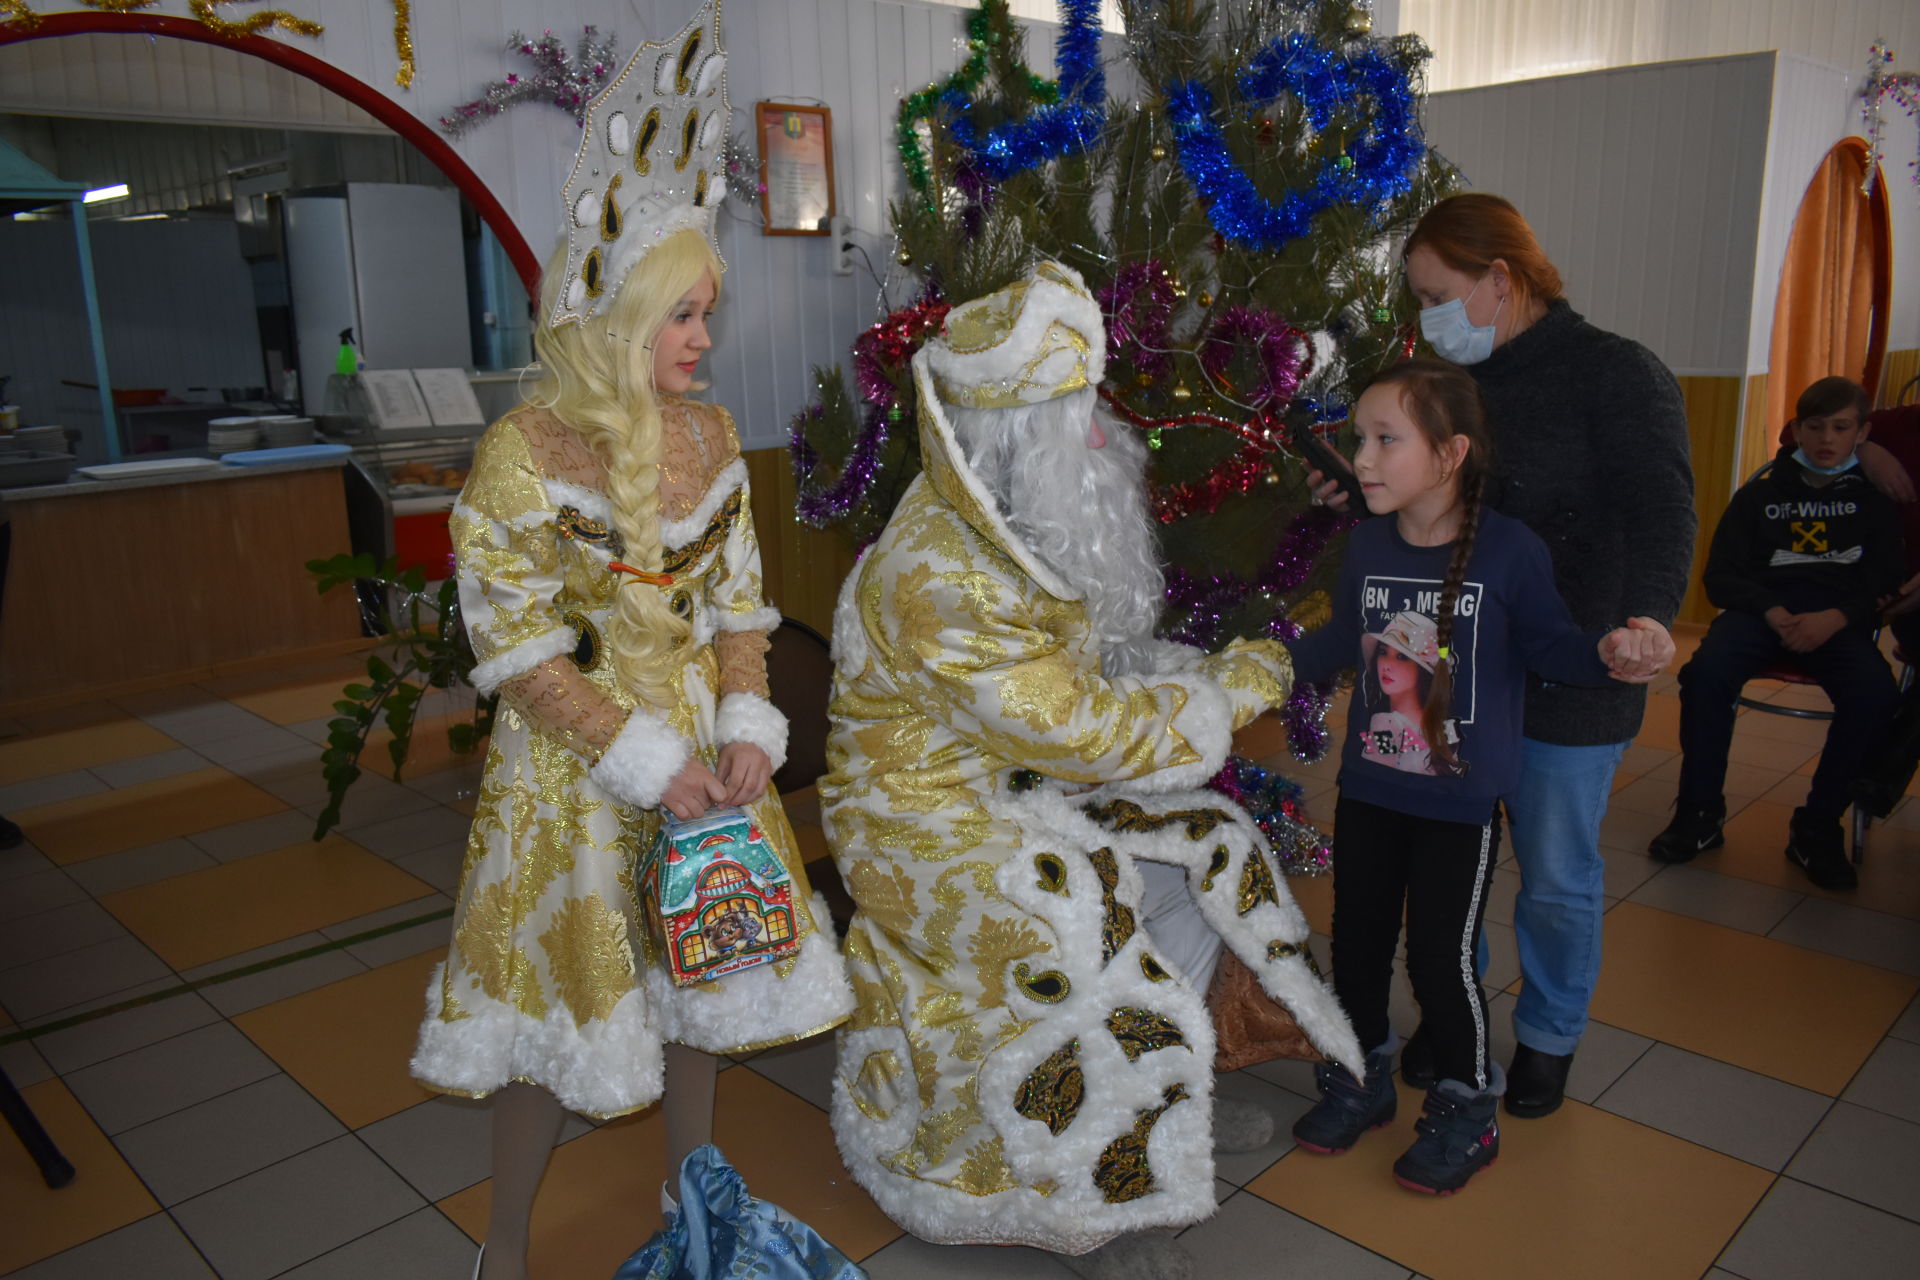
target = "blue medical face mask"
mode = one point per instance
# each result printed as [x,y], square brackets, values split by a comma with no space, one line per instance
[1800,456]
[1454,337]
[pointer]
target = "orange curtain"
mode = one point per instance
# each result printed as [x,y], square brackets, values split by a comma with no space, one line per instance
[1830,316]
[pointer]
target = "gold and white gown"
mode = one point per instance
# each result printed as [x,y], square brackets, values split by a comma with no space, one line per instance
[551,977]
[1025,1066]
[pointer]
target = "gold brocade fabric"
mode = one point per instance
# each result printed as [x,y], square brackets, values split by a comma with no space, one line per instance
[548,978]
[976,946]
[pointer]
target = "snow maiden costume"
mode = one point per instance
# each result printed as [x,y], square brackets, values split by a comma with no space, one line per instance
[1023,1066]
[551,978]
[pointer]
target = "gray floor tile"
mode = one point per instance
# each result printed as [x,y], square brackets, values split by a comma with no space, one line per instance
[422,938]
[1890,1080]
[46,934]
[251,745]
[208,722]
[447,785]
[279,983]
[37,891]
[428,905]
[805,1068]
[256,835]
[1248,1227]
[314,730]
[1625,870]
[1629,831]
[161,764]
[295,1211]
[410,832]
[1749,1116]
[133,867]
[129,997]
[1799,1231]
[1286,1107]
[272,951]
[1866,1156]
[210,1144]
[163,1078]
[439,866]
[18,862]
[1908,1025]
[302,761]
[152,1248]
[444,1144]
[423,1245]
[1606,1052]
[371,799]
[295,780]
[79,977]
[1290,1074]
[909,1258]
[1707,895]
[119,1033]
[51,789]
[24,1064]
[175,700]
[1871,937]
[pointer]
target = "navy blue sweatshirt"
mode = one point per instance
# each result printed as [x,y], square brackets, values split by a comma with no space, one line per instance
[1509,620]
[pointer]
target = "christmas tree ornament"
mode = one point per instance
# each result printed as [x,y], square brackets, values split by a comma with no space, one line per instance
[904,258]
[566,80]
[1903,87]
[1182,392]
[1157,152]
[1283,353]
[649,164]
[1360,19]
[1205,299]
[1383,315]
[1138,306]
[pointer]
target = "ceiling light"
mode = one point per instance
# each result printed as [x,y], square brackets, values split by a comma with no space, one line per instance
[118,191]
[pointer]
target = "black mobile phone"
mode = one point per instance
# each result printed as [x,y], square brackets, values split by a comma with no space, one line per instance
[1321,457]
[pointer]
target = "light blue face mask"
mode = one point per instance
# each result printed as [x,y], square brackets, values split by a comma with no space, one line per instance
[1454,337]
[1800,456]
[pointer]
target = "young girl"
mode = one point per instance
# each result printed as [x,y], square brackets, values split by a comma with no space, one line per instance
[1448,606]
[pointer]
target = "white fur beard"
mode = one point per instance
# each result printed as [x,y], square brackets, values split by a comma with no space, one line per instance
[1081,510]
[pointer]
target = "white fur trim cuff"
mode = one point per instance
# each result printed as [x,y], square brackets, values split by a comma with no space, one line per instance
[748,717]
[641,760]
[678,533]
[522,658]
[767,619]
[1206,722]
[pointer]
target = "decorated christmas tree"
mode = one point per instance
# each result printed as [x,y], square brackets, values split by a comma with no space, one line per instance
[1239,219]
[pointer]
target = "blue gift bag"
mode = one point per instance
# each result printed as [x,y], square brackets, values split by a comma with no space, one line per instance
[720,1232]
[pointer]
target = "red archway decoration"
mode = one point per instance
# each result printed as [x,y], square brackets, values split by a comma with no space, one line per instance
[362,95]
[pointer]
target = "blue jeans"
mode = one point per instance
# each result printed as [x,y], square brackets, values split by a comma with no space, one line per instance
[1553,816]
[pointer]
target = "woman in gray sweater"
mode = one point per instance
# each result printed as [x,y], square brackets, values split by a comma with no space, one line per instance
[1590,452]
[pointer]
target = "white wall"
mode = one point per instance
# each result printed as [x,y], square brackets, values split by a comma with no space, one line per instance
[1644,184]
[785,311]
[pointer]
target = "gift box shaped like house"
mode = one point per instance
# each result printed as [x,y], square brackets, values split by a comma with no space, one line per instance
[718,899]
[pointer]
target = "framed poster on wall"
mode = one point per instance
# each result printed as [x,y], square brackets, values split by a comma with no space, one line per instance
[796,168]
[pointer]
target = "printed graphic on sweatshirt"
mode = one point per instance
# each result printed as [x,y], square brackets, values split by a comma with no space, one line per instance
[1807,539]
[1399,653]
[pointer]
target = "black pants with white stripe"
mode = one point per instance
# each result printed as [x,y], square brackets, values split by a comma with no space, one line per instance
[1438,872]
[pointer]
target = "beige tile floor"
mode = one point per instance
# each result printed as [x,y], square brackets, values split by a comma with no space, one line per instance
[1746,1104]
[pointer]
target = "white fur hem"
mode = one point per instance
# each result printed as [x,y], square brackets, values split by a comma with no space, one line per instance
[767,619]
[1269,937]
[757,1007]
[748,717]
[609,1069]
[678,533]
[590,503]
[642,759]
[522,658]
[1206,722]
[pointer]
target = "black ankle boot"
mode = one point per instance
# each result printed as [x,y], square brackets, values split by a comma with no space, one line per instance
[1416,1060]
[1536,1082]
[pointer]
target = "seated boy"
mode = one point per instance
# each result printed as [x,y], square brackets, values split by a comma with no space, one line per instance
[1798,565]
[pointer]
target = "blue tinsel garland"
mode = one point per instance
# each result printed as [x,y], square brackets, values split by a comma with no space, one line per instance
[1057,129]
[1333,85]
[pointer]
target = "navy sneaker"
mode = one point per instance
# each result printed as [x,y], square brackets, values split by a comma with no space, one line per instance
[1348,1107]
[1458,1138]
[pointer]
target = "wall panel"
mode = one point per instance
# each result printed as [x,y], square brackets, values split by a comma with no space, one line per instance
[1713,431]
[1662,252]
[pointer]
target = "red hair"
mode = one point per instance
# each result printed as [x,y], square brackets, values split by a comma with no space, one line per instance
[1469,231]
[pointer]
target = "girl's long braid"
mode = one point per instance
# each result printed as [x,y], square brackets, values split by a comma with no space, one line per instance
[1433,715]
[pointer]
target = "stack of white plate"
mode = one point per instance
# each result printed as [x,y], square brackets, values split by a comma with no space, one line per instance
[284,432]
[232,435]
